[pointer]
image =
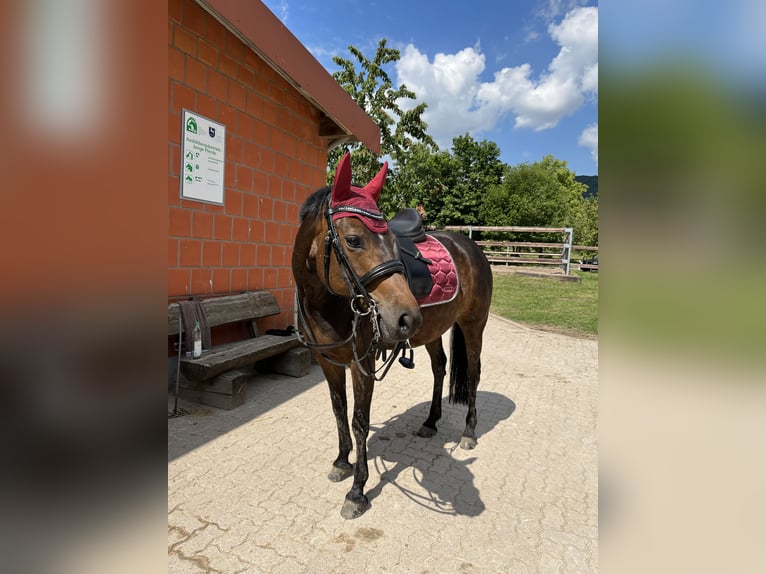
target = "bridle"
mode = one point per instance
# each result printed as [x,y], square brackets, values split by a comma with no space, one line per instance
[362,304]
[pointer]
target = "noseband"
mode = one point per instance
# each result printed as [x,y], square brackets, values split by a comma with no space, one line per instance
[362,304]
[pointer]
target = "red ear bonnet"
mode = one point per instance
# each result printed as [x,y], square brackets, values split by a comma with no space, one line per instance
[345,195]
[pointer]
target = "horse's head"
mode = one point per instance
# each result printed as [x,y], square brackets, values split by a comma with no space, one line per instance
[358,258]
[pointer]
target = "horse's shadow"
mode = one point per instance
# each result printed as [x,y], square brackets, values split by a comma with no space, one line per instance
[443,480]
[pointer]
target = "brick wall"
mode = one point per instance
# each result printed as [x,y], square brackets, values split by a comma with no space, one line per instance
[274,160]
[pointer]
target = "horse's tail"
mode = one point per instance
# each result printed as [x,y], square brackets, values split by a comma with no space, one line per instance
[458,373]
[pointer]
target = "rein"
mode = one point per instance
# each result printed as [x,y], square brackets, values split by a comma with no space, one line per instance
[362,305]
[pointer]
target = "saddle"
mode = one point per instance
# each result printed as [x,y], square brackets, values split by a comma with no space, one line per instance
[407,227]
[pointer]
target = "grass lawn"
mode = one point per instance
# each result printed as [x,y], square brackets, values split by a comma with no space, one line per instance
[563,306]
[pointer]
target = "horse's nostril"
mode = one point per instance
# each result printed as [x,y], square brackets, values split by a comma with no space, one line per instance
[408,323]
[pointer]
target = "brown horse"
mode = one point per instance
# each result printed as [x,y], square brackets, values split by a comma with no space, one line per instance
[355,304]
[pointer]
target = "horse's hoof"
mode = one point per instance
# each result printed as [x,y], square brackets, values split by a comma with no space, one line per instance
[426,432]
[337,473]
[354,508]
[468,443]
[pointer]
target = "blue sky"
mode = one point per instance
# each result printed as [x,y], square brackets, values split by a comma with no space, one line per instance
[522,73]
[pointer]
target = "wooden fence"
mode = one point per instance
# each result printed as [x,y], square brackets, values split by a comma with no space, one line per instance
[557,252]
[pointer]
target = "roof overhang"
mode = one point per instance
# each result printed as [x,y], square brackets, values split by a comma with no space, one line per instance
[261,31]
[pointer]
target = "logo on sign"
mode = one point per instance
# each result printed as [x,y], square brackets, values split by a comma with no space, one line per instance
[211,131]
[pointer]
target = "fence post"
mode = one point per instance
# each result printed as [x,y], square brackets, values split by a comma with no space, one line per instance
[470,232]
[566,254]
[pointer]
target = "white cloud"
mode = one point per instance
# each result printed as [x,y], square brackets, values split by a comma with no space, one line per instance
[459,102]
[589,139]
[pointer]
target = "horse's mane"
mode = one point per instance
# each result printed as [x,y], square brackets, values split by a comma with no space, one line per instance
[312,207]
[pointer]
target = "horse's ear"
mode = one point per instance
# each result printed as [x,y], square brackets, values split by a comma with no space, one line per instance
[376,184]
[341,187]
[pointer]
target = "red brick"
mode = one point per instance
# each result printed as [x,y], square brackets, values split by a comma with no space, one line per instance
[260,182]
[176,64]
[228,117]
[233,203]
[174,155]
[276,140]
[244,180]
[182,98]
[235,148]
[184,41]
[254,105]
[217,87]
[291,102]
[227,66]
[270,278]
[191,253]
[241,229]
[215,33]
[281,163]
[213,208]
[208,54]
[194,18]
[174,10]
[174,127]
[202,225]
[252,154]
[222,227]
[236,95]
[263,255]
[251,205]
[267,214]
[174,192]
[211,254]
[284,278]
[206,106]
[278,255]
[238,279]
[269,113]
[268,160]
[179,282]
[180,222]
[261,135]
[290,145]
[172,252]
[245,125]
[229,178]
[235,48]
[254,278]
[247,255]
[202,281]
[253,60]
[246,76]
[230,254]
[196,74]
[257,228]
[222,280]
[295,171]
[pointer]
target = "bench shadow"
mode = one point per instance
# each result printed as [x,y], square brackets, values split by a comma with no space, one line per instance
[441,471]
[204,423]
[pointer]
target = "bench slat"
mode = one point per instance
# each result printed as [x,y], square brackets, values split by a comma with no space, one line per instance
[230,308]
[234,355]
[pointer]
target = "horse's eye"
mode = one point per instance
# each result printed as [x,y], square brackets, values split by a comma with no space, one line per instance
[353,241]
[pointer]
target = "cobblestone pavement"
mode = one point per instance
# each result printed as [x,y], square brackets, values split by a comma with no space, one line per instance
[247,488]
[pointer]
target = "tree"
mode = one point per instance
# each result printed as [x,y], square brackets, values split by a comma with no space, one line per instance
[372,88]
[541,194]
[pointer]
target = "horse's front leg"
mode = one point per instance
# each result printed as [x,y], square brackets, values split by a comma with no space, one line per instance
[356,502]
[336,380]
[439,369]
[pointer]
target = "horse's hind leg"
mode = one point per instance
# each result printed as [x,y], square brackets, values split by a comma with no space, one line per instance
[336,380]
[439,369]
[473,341]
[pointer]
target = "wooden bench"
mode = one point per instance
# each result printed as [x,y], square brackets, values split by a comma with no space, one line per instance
[217,378]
